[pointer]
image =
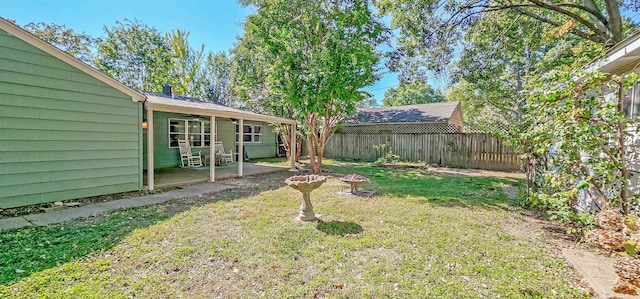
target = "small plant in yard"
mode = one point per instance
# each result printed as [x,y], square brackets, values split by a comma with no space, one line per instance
[385,155]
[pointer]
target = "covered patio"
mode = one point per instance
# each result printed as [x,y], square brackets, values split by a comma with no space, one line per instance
[210,111]
[167,177]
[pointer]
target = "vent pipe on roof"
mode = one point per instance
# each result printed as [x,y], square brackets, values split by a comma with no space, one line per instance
[166,89]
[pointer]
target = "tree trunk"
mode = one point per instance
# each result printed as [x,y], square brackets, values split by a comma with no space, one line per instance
[624,172]
[615,21]
[315,168]
[299,142]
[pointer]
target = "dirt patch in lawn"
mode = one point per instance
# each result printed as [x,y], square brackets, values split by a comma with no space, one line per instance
[552,235]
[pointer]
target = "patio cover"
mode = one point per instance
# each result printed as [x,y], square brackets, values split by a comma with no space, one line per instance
[184,105]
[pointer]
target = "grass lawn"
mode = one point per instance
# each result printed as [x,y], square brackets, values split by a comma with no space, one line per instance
[426,235]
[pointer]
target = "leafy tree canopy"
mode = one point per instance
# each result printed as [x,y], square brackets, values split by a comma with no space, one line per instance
[135,54]
[76,44]
[411,93]
[433,28]
[309,59]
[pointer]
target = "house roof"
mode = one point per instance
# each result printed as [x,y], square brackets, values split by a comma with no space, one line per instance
[432,112]
[623,57]
[62,55]
[179,104]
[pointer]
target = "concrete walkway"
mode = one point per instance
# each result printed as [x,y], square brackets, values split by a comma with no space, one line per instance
[597,270]
[44,219]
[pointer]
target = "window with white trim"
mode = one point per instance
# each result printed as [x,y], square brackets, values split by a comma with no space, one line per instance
[631,103]
[250,133]
[198,132]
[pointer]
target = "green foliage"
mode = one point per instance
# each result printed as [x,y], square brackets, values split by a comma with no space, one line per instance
[135,54]
[307,60]
[631,221]
[187,65]
[144,58]
[631,248]
[217,78]
[409,93]
[432,29]
[385,155]
[477,112]
[576,137]
[79,45]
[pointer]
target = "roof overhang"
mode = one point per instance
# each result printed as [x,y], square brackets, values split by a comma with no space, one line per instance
[57,53]
[622,58]
[177,106]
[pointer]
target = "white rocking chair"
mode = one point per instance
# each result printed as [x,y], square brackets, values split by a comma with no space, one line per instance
[221,156]
[187,158]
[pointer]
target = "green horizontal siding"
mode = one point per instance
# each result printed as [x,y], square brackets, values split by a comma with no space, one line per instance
[164,156]
[42,155]
[17,94]
[63,133]
[267,148]
[90,190]
[21,135]
[63,165]
[64,115]
[51,178]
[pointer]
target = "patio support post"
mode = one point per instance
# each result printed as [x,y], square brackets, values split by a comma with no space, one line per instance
[150,170]
[212,152]
[292,148]
[240,146]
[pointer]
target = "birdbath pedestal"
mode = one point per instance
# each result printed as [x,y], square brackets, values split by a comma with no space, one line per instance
[305,184]
[354,180]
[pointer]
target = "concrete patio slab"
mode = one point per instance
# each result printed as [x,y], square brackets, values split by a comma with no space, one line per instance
[175,176]
[597,270]
[12,223]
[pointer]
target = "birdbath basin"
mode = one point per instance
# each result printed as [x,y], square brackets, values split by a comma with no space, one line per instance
[305,184]
[354,180]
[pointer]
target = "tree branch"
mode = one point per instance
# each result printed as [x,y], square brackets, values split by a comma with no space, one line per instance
[593,38]
[571,15]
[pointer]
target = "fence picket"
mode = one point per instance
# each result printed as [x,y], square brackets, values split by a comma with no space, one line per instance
[463,150]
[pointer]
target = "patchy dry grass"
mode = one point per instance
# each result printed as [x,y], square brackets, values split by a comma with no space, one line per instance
[426,235]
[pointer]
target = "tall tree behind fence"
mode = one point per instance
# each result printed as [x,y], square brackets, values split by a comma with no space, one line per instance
[473,150]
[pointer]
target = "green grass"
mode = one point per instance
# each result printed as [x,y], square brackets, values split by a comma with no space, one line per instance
[426,236]
[32,249]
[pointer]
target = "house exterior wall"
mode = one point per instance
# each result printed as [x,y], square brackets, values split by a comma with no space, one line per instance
[269,145]
[585,200]
[63,133]
[165,156]
[456,118]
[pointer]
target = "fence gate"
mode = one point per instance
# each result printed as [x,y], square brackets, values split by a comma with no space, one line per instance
[458,150]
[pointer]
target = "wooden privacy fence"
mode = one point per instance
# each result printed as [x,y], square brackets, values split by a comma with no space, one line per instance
[461,150]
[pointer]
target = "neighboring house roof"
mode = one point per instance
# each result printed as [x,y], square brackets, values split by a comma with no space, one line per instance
[623,57]
[57,53]
[179,104]
[420,113]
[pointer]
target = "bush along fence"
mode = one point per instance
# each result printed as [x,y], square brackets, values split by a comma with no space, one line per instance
[458,150]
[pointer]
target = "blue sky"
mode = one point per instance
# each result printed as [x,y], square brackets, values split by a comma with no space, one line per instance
[216,23]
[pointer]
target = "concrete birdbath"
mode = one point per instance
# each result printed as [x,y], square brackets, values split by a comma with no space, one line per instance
[305,184]
[354,180]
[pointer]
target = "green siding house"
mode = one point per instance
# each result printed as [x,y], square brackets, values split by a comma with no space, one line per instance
[66,130]
[69,131]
